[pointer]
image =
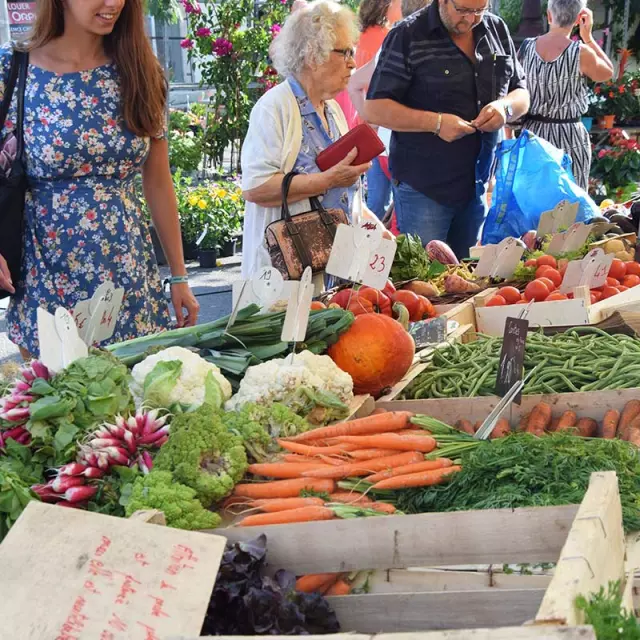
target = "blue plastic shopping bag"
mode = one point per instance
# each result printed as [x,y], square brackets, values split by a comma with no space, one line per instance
[532,176]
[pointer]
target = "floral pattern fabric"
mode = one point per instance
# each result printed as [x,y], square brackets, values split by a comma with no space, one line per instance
[315,139]
[82,221]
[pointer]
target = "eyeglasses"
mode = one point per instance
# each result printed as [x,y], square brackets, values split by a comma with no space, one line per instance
[348,54]
[463,11]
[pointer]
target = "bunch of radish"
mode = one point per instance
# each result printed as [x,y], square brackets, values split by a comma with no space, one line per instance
[125,443]
[14,407]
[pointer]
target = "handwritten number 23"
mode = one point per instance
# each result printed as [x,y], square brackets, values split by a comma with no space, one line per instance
[378,264]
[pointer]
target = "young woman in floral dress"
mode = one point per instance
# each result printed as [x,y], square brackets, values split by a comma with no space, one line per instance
[93,121]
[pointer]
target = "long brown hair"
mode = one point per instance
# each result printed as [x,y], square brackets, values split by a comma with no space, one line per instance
[373,13]
[142,81]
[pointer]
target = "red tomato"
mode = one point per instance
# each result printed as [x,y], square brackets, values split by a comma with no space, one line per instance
[550,284]
[379,302]
[536,290]
[622,288]
[496,301]
[531,263]
[510,294]
[631,281]
[633,268]
[556,295]
[548,261]
[594,299]
[612,282]
[523,301]
[411,301]
[316,305]
[597,294]
[389,289]
[342,297]
[609,292]
[551,274]
[618,269]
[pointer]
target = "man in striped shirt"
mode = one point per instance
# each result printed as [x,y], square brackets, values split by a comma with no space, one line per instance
[447,82]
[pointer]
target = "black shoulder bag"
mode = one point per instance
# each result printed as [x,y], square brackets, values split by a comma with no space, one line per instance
[13,176]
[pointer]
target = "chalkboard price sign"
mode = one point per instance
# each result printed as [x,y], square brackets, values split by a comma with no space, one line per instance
[512,356]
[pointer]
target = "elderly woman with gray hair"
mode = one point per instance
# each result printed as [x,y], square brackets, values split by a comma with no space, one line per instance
[293,122]
[555,67]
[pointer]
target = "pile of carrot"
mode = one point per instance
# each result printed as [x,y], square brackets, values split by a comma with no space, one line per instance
[384,449]
[326,584]
[624,425]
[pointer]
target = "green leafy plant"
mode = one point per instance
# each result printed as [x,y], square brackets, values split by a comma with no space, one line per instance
[229,42]
[604,612]
[216,207]
[617,166]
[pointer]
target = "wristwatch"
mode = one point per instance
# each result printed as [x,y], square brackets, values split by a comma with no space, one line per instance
[508,109]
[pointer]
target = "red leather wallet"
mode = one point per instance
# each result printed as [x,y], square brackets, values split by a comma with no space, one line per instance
[362,137]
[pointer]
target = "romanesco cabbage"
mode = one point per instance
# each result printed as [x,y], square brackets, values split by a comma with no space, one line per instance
[203,454]
[181,508]
[178,379]
[259,425]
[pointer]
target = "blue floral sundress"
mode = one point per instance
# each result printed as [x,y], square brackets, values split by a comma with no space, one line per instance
[83,224]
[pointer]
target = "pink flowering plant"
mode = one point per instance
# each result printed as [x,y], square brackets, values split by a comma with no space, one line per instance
[617,166]
[229,42]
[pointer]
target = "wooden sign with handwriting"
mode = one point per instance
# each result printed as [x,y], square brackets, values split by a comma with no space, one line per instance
[69,574]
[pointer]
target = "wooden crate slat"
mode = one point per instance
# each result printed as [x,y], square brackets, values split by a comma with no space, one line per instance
[536,534]
[399,612]
[505,633]
[593,554]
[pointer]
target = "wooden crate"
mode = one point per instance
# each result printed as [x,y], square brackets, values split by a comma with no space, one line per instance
[592,404]
[585,540]
[559,313]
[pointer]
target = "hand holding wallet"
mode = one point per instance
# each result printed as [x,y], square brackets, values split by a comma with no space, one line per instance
[362,137]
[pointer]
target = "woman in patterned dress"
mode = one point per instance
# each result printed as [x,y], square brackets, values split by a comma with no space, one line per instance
[296,120]
[93,121]
[556,67]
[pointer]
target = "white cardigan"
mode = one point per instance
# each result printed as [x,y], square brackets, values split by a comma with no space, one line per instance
[272,146]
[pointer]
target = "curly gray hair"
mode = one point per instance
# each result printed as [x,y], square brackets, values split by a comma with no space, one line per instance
[308,36]
[566,12]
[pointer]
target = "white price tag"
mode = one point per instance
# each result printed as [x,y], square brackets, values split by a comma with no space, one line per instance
[499,260]
[60,343]
[561,217]
[360,254]
[576,236]
[294,328]
[556,244]
[591,271]
[104,306]
[202,236]
[267,285]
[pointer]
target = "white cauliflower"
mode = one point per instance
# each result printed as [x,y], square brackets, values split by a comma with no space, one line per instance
[304,383]
[178,377]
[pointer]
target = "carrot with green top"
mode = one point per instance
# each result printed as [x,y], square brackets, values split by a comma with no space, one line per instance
[284,488]
[417,467]
[610,424]
[465,426]
[567,421]
[309,450]
[540,419]
[272,505]
[629,413]
[314,582]
[380,423]
[370,454]
[423,479]
[366,467]
[303,514]
[283,470]
[425,444]
[340,588]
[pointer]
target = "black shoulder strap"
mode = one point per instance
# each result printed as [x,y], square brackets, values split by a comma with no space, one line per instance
[23,63]
[9,88]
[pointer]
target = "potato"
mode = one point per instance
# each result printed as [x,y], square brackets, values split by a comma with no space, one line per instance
[625,256]
[614,246]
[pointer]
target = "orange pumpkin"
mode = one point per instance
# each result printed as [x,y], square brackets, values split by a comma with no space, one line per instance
[376,352]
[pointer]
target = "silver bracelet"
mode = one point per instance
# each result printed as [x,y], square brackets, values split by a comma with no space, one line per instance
[438,125]
[178,280]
